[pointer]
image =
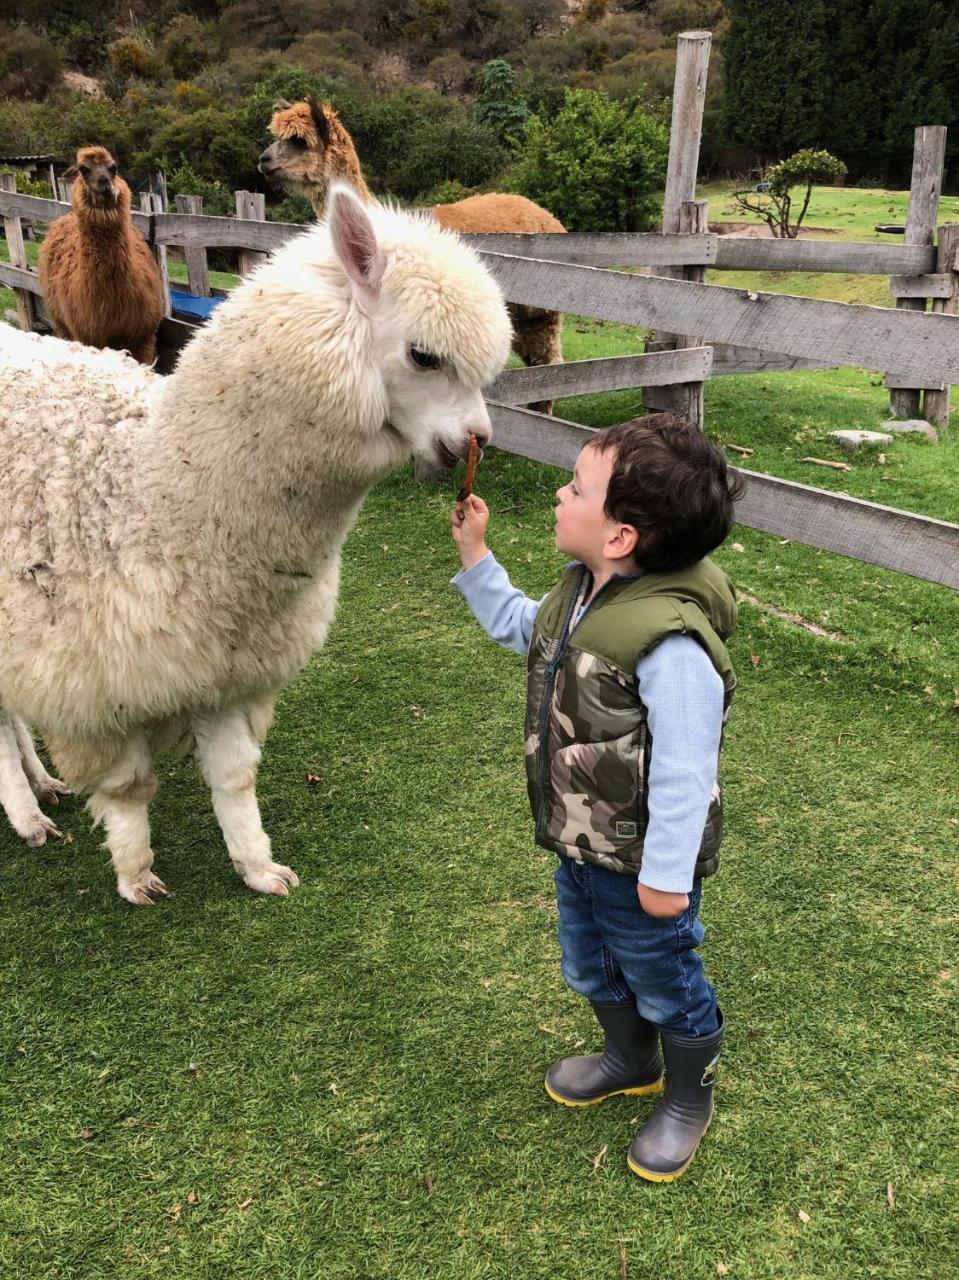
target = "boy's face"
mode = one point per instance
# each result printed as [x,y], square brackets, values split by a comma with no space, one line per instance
[583,529]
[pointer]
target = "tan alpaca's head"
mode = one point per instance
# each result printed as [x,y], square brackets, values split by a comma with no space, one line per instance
[311,151]
[96,183]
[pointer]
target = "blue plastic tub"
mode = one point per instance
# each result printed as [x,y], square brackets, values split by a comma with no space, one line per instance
[188,305]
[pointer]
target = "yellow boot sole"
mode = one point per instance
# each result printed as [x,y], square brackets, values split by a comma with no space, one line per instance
[650,1176]
[640,1091]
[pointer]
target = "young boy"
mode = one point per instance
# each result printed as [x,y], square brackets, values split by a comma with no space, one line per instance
[628,688]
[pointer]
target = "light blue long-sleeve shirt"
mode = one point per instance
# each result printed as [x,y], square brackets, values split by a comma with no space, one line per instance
[683,696]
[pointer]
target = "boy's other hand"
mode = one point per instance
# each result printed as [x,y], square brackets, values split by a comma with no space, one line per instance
[468,520]
[660,904]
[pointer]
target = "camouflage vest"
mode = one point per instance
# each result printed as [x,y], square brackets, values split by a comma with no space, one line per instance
[588,745]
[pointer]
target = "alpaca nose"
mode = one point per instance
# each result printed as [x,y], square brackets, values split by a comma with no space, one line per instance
[263,164]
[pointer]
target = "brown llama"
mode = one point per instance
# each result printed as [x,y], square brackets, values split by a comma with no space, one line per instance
[313,149]
[100,282]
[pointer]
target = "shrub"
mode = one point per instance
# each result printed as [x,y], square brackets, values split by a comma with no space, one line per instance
[598,164]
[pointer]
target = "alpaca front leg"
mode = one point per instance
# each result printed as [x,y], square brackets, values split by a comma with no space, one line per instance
[16,797]
[47,790]
[229,754]
[120,800]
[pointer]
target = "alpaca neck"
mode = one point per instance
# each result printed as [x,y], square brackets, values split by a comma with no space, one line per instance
[270,452]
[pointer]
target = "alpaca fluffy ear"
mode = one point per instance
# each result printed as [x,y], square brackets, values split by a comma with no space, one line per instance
[320,118]
[281,104]
[354,241]
[69,174]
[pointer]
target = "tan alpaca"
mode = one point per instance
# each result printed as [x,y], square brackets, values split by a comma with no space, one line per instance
[313,149]
[100,283]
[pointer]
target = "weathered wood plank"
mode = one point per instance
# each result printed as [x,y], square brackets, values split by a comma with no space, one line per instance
[734,254]
[19,278]
[614,373]
[686,128]
[603,248]
[935,405]
[929,151]
[151,203]
[13,231]
[895,381]
[938,285]
[39,210]
[223,233]
[728,358]
[198,275]
[865,531]
[835,333]
[250,205]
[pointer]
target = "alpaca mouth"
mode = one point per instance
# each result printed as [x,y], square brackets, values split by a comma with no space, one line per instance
[447,458]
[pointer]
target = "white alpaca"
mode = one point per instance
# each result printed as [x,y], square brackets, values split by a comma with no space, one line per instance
[170,548]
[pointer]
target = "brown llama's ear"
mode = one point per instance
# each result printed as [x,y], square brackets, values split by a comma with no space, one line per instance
[281,104]
[69,174]
[320,118]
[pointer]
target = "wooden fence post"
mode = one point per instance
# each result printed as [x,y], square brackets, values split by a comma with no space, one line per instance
[685,134]
[693,218]
[26,308]
[195,254]
[935,402]
[250,205]
[929,149]
[151,203]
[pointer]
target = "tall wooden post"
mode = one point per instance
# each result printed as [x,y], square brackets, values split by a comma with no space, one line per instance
[151,203]
[250,205]
[26,308]
[928,154]
[694,219]
[195,254]
[685,135]
[935,406]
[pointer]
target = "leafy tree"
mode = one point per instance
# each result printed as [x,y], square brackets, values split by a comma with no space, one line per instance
[598,164]
[186,46]
[498,103]
[771,197]
[777,74]
[30,65]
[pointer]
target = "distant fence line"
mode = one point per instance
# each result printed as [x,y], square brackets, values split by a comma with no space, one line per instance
[702,330]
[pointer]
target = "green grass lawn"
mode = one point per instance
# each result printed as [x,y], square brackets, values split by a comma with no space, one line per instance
[348,1083]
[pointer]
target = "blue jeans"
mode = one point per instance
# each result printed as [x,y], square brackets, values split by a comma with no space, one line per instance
[614,951]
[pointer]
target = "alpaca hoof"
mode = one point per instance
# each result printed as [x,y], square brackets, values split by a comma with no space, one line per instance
[49,790]
[144,890]
[36,830]
[274,878]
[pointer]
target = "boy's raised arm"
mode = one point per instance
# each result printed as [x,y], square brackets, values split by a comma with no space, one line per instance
[502,610]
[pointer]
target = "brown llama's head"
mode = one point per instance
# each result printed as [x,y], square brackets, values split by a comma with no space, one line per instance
[96,183]
[311,151]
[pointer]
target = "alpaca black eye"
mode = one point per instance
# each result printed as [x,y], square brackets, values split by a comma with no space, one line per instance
[298,144]
[85,171]
[113,171]
[424,359]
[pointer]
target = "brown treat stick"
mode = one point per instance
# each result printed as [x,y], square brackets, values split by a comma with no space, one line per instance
[472,457]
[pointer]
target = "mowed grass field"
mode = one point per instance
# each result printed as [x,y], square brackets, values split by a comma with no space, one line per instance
[348,1082]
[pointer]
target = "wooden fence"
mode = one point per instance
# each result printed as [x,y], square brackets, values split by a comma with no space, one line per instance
[703,330]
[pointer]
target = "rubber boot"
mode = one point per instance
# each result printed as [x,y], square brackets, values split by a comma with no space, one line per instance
[665,1145]
[630,1061]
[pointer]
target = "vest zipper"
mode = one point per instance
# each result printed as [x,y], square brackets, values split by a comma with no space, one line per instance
[551,667]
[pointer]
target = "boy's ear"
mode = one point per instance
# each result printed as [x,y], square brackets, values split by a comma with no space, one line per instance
[623,542]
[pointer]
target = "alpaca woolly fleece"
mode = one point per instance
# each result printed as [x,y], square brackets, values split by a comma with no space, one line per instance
[170,548]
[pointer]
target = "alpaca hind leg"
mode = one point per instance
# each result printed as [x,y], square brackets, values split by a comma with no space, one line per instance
[16,798]
[120,801]
[47,790]
[228,754]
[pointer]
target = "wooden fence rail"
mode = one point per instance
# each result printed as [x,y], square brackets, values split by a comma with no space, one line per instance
[884,536]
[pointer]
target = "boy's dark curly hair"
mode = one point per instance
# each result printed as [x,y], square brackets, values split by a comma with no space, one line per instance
[672,484]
